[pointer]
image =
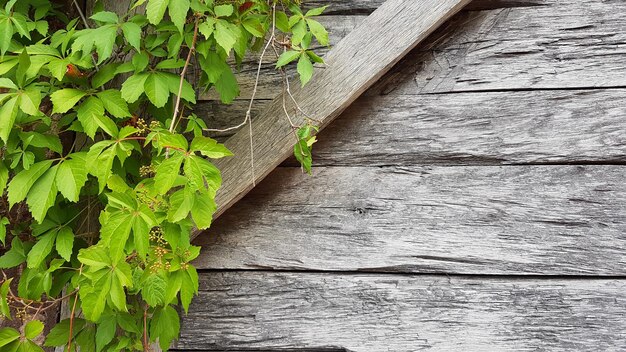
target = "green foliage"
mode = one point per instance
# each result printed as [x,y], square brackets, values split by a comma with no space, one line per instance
[105,170]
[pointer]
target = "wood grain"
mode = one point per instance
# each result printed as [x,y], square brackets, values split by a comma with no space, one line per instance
[367,313]
[552,45]
[491,128]
[553,220]
[354,64]
[506,45]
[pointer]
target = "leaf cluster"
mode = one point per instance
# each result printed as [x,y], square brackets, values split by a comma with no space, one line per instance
[104,168]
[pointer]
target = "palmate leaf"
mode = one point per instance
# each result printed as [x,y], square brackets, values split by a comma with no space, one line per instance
[41,249]
[65,243]
[167,172]
[91,116]
[113,103]
[305,69]
[133,87]
[202,209]
[65,99]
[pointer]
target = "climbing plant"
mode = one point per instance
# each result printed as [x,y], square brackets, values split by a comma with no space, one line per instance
[105,171]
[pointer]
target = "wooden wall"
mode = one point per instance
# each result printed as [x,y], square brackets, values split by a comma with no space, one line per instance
[474,199]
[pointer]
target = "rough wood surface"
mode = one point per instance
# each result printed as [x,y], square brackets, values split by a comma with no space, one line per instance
[524,44]
[354,65]
[585,126]
[550,45]
[568,220]
[367,313]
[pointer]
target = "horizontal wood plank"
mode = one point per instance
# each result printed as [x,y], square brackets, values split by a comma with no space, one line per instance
[554,220]
[490,128]
[558,44]
[507,45]
[356,63]
[367,313]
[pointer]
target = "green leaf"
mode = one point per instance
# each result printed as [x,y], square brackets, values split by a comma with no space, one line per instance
[209,147]
[32,329]
[287,57]
[15,256]
[22,68]
[41,249]
[114,234]
[202,210]
[167,172]
[65,243]
[178,12]
[318,31]
[132,33]
[133,87]
[23,182]
[155,10]
[140,61]
[94,297]
[4,177]
[114,103]
[30,99]
[227,86]
[316,11]
[3,229]
[8,335]
[153,290]
[65,99]
[189,287]
[223,10]
[105,332]
[43,194]
[207,27]
[180,206]
[7,83]
[254,27]
[105,17]
[299,31]
[226,35]
[60,333]
[8,113]
[305,69]
[6,33]
[91,116]
[282,22]
[95,257]
[165,326]
[71,176]
[157,89]
[4,305]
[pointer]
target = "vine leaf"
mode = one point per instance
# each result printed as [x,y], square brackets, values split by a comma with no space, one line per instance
[71,176]
[113,103]
[43,194]
[157,89]
[65,99]
[21,184]
[65,243]
[165,326]
[156,10]
[178,12]
[8,113]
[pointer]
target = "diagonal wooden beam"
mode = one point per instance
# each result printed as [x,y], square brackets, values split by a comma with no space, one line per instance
[353,65]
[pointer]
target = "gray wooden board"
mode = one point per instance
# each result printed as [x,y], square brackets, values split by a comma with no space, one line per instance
[554,220]
[466,128]
[535,44]
[356,63]
[368,313]
[560,44]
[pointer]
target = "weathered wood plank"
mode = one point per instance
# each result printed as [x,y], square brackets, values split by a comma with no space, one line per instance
[568,220]
[524,44]
[354,65]
[360,312]
[466,128]
[561,44]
